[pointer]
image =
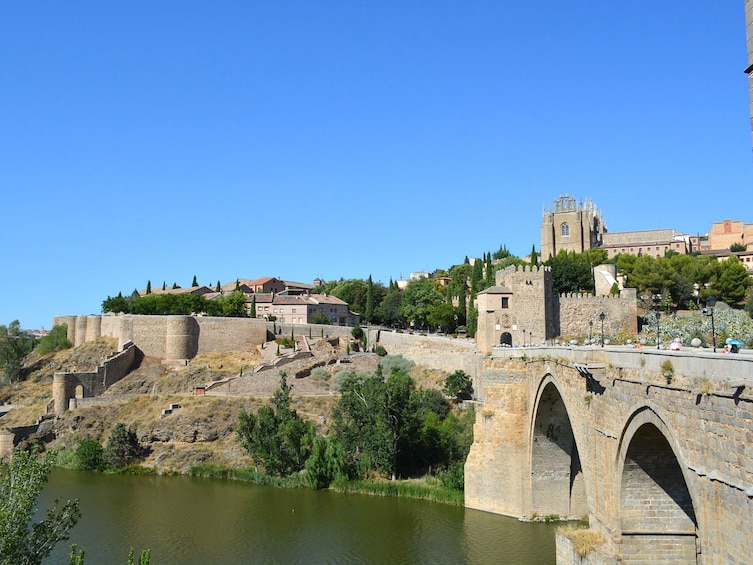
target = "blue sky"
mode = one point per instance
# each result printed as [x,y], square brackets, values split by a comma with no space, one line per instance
[162,140]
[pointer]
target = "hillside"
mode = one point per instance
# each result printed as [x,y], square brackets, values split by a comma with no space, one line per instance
[201,431]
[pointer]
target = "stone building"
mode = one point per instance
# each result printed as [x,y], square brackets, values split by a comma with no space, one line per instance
[522,309]
[571,226]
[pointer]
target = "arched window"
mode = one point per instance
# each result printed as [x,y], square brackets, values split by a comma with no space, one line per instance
[564,229]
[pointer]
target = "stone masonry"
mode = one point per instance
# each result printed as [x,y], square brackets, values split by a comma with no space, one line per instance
[653,447]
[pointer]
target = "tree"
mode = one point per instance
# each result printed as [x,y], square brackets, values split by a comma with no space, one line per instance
[276,436]
[389,309]
[148,287]
[14,346]
[443,316]
[368,313]
[418,297]
[56,340]
[733,281]
[122,446]
[194,281]
[458,385]
[253,307]
[21,541]
[571,272]
[89,454]
[534,256]
[218,288]
[737,247]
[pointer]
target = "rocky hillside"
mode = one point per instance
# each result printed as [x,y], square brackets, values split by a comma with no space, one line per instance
[201,430]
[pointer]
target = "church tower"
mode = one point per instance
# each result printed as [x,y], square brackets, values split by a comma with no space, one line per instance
[570,226]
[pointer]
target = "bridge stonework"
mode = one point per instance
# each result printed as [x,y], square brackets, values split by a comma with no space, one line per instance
[653,448]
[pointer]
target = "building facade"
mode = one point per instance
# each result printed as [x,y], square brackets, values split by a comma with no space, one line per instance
[571,226]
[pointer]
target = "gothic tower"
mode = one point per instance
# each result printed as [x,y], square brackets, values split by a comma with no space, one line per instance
[571,226]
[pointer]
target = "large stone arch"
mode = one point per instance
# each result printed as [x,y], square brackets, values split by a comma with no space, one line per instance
[657,516]
[557,482]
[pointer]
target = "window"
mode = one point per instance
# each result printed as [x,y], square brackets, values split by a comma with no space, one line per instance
[565,229]
[505,302]
[293,311]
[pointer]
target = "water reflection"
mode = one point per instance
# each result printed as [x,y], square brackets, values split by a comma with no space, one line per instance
[198,521]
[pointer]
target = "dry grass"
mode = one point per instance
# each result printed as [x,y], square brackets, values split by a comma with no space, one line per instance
[584,540]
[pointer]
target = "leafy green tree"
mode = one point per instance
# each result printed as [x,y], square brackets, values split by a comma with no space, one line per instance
[89,454]
[276,436]
[325,464]
[733,281]
[194,282]
[56,340]
[443,316]
[458,385]
[390,308]
[737,247]
[122,447]
[419,297]
[117,304]
[571,272]
[148,287]
[253,307]
[14,346]
[357,332]
[218,288]
[749,302]
[23,542]
[501,253]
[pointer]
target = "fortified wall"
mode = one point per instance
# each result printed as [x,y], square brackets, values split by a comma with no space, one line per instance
[522,309]
[173,338]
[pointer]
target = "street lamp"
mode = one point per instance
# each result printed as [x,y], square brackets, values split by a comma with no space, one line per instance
[657,299]
[601,317]
[710,303]
[590,331]
[530,339]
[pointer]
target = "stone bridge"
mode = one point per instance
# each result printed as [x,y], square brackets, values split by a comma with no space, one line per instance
[653,448]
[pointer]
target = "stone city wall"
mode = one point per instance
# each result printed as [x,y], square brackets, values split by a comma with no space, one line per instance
[169,337]
[577,310]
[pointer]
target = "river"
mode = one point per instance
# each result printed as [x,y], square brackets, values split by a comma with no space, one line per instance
[186,521]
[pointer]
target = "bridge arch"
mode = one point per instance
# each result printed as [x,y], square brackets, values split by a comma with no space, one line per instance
[557,480]
[656,510]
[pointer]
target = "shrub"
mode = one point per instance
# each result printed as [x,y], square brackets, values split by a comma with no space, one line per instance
[122,446]
[380,350]
[391,363]
[89,455]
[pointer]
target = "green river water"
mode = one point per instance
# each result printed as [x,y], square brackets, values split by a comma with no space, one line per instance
[190,521]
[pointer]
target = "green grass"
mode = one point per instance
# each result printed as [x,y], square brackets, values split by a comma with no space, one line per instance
[402,489]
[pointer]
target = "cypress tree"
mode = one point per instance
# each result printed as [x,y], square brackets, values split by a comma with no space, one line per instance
[253,307]
[148,287]
[194,282]
[369,313]
[164,286]
[218,288]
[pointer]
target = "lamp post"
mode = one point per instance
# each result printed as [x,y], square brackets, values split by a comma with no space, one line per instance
[601,317]
[530,339]
[590,331]
[657,300]
[710,303]
[524,338]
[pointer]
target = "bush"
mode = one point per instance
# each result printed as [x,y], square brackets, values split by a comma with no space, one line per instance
[56,340]
[89,455]
[122,446]
[392,363]
[380,350]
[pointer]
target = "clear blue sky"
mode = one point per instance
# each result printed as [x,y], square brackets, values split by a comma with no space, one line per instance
[161,140]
